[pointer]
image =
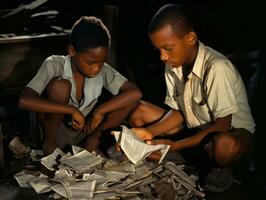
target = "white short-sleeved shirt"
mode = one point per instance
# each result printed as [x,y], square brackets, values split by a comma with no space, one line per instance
[60,66]
[214,89]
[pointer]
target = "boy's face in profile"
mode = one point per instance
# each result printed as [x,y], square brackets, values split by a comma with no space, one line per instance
[174,49]
[90,62]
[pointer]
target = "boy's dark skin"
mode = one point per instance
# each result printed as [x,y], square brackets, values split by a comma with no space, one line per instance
[178,49]
[53,109]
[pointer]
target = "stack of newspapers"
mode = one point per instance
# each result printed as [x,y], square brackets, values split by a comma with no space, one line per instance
[81,175]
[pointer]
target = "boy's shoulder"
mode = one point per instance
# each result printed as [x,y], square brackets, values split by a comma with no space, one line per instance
[213,55]
[105,64]
[55,62]
[218,65]
[56,59]
[107,68]
[216,59]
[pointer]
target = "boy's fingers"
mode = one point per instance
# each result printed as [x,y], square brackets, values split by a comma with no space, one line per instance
[87,130]
[155,156]
[149,142]
[153,142]
[92,127]
[117,147]
[76,126]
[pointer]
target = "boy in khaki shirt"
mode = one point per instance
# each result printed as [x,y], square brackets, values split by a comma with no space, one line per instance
[204,91]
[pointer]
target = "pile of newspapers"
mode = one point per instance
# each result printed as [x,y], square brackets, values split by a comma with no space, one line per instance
[81,175]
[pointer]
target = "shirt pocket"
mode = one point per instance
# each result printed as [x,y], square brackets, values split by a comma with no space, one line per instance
[201,110]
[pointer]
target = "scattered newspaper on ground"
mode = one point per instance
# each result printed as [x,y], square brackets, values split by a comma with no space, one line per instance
[83,175]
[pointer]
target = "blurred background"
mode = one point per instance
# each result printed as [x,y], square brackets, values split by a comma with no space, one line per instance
[31,30]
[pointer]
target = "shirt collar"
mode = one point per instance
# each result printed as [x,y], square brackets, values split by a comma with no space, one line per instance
[197,68]
[67,68]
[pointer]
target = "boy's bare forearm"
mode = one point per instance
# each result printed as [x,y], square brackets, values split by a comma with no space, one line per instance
[30,100]
[173,120]
[220,125]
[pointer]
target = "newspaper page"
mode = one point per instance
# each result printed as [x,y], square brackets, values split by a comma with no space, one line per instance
[24,179]
[41,186]
[50,161]
[82,160]
[135,149]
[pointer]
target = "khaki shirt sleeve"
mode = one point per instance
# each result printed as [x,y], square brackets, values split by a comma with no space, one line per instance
[46,72]
[112,79]
[220,82]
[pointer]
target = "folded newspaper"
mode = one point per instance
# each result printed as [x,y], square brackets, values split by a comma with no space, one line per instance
[135,149]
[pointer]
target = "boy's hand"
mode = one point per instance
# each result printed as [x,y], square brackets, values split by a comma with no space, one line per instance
[96,120]
[143,133]
[86,128]
[155,156]
[78,120]
[163,141]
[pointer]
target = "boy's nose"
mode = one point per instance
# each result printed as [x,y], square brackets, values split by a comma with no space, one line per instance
[164,57]
[97,68]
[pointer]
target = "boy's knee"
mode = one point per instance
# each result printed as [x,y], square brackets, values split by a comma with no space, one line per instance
[227,149]
[135,118]
[59,89]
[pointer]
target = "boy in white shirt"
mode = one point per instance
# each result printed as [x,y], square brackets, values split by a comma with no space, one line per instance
[69,86]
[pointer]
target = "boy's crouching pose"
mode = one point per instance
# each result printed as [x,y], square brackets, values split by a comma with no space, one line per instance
[66,88]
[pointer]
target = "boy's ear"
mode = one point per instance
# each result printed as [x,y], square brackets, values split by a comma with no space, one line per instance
[192,38]
[71,50]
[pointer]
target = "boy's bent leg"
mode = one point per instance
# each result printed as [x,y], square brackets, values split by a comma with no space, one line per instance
[145,113]
[226,149]
[58,90]
[230,147]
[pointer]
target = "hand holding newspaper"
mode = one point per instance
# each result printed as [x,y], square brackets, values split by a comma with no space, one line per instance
[135,149]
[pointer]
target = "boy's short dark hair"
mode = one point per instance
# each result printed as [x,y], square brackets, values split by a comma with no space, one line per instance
[87,33]
[174,15]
